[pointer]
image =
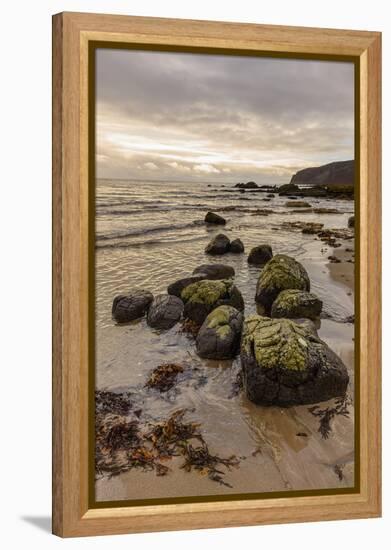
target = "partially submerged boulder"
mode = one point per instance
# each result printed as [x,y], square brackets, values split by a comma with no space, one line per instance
[219,335]
[296,304]
[132,306]
[351,221]
[287,189]
[286,364]
[218,245]
[203,297]
[215,271]
[280,273]
[165,311]
[212,217]
[260,255]
[236,246]
[176,288]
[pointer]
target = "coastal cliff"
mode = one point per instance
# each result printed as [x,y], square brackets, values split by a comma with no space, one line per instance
[335,173]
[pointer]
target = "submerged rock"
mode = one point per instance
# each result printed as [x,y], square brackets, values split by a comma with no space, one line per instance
[211,217]
[351,221]
[280,273]
[176,288]
[260,255]
[218,245]
[287,189]
[165,311]
[286,364]
[132,306]
[296,304]
[297,204]
[203,297]
[219,335]
[215,271]
[236,246]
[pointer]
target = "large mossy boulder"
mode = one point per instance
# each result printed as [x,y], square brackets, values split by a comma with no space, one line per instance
[280,273]
[219,335]
[296,304]
[203,297]
[215,271]
[260,255]
[165,311]
[218,245]
[286,364]
[132,306]
[176,288]
[212,217]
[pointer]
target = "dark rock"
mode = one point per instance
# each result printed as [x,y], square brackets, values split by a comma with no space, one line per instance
[165,311]
[215,271]
[219,335]
[270,195]
[296,304]
[211,217]
[248,185]
[132,306]
[286,364]
[297,204]
[280,273]
[203,297]
[218,246]
[312,228]
[260,255]
[287,189]
[176,288]
[351,221]
[236,246]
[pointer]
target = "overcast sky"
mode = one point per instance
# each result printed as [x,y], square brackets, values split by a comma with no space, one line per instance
[175,116]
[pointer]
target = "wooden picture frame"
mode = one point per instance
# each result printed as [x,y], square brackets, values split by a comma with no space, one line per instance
[72,35]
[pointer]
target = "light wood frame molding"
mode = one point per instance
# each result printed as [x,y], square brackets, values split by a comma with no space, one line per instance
[72,33]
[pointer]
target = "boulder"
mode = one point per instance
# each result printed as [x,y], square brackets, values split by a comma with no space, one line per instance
[215,271]
[236,246]
[176,288]
[203,297]
[296,304]
[286,364]
[219,335]
[280,273]
[351,221]
[165,311]
[248,185]
[270,196]
[132,306]
[218,246]
[211,217]
[260,255]
[287,189]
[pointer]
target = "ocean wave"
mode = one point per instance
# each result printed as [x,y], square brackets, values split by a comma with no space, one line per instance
[139,232]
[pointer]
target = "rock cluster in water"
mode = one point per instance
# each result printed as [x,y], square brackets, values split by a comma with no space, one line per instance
[283,361]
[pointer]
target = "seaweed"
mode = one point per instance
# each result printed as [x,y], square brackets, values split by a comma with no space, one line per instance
[201,460]
[110,402]
[122,444]
[340,408]
[163,378]
[190,327]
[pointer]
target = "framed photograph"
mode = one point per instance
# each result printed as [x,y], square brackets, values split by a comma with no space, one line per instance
[216,268]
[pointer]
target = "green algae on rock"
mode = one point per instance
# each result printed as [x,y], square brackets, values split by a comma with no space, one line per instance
[286,364]
[204,296]
[296,304]
[280,273]
[219,336]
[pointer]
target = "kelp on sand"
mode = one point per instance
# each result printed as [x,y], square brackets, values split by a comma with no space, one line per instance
[126,442]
